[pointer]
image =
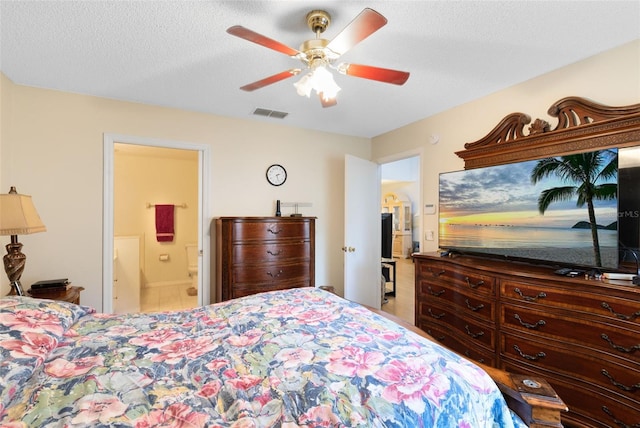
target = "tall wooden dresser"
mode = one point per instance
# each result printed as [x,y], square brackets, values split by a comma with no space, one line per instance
[256,254]
[581,335]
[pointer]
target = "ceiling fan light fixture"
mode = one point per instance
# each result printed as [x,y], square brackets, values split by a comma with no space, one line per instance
[320,80]
[319,54]
[303,86]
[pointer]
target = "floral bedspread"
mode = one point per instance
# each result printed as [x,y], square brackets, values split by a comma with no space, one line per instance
[294,358]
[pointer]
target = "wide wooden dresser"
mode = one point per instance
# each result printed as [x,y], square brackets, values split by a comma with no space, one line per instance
[582,335]
[255,254]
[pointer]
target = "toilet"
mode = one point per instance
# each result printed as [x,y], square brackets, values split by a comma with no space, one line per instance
[192,264]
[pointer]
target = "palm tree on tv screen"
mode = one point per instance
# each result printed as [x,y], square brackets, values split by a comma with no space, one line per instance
[583,170]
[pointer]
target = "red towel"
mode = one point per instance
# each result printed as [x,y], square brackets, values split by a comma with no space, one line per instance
[164,223]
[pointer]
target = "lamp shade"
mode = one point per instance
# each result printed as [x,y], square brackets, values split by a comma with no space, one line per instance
[18,215]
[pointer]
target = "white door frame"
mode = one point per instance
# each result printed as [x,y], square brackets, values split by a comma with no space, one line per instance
[405,155]
[204,270]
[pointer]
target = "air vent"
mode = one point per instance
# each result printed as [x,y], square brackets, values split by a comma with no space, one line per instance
[270,113]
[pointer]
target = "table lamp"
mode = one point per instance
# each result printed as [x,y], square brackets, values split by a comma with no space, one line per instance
[18,216]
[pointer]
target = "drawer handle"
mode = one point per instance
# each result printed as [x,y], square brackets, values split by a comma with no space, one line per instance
[436,274]
[436,316]
[632,388]
[621,316]
[527,325]
[529,357]
[436,293]
[473,308]
[277,253]
[618,347]
[481,360]
[616,421]
[478,284]
[273,230]
[272,275]
[541,295]
[438,338]
[474,335]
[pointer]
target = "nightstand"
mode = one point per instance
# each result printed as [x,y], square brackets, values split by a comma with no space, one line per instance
[71,294]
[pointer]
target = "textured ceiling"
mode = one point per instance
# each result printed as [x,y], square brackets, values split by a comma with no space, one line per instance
[178,54]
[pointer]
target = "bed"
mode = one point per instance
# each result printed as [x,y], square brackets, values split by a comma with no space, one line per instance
[293,358]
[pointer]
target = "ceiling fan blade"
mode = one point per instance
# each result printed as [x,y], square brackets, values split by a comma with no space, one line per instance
[365,24]
[386,75]
[271,79]
[252,36]
[328,102]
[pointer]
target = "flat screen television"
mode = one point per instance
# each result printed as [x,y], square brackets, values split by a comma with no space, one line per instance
[387,235]
[537,211]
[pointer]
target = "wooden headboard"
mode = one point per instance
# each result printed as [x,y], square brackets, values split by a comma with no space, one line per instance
[582,125]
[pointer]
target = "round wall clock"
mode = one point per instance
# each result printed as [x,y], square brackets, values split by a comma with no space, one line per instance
[276,175]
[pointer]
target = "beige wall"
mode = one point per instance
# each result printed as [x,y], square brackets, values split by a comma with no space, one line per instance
[611,78]
[55,154]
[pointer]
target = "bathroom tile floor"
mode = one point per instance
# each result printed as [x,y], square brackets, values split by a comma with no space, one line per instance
[167,298]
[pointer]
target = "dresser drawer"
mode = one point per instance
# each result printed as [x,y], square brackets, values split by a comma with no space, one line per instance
[269,273]
[577,362]
[588,405]
[467,279]
[474,331]
[617,308]
[461,346]
[270,252]
[567,327]
[270,230]
[467,302]
[598,407]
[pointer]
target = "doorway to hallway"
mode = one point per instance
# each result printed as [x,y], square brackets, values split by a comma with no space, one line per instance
[401,190]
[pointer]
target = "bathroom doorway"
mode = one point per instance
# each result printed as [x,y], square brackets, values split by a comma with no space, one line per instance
[153,184]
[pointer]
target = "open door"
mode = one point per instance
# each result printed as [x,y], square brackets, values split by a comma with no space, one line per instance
[362,246]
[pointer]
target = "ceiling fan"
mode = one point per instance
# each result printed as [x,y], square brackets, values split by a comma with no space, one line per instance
[319,54]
